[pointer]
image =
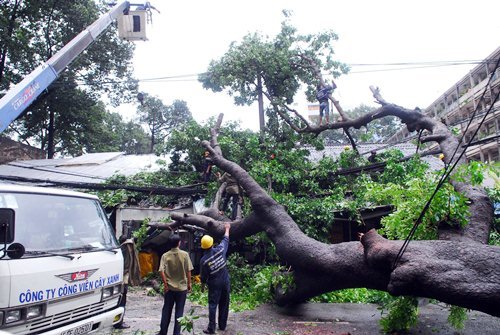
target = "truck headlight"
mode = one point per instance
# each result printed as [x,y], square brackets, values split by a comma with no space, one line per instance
[12,316]
[107,292]
[117,289]
[34,312]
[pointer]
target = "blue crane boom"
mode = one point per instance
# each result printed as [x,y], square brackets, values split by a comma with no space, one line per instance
[25,92]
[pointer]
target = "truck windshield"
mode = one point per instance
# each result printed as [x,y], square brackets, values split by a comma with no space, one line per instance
[51,223]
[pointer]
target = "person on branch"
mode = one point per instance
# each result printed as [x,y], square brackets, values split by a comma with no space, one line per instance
[323,96]
[232,194]
[207,166]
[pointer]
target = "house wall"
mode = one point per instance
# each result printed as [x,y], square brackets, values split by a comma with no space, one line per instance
[11,150]
[125,215]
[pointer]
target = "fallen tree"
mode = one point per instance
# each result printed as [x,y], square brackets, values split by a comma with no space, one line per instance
[459,269]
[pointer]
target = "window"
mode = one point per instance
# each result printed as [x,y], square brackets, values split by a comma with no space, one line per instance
[50,223]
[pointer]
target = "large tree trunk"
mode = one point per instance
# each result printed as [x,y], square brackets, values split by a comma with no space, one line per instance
[461,270]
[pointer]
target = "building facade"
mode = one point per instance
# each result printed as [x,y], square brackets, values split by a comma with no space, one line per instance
[474,96]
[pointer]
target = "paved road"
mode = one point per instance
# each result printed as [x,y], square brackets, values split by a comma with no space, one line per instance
[143,315]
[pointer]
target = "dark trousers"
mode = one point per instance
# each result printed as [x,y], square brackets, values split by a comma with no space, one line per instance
[324,108]
[218,296]
[234,204]
[170,298]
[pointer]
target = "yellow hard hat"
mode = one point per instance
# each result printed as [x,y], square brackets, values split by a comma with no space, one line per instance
[206,242]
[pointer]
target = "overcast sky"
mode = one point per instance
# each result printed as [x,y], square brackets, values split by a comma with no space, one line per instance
[186,35]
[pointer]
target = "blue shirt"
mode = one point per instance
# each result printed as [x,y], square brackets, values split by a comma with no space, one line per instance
[323,93]
[213,264]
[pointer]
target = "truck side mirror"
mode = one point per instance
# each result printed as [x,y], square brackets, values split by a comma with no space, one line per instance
[7,223]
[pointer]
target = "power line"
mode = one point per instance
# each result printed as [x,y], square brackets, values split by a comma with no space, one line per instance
[180,76]
[454,62]
[401,66]
[407,66]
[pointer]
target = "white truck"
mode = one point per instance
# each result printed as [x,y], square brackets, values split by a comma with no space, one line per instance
[61,268]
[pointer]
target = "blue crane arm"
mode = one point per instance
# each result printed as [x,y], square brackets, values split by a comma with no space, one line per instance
[25,92]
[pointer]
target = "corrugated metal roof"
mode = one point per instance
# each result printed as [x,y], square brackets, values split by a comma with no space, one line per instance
[407,149]
[91,159]
[89,168]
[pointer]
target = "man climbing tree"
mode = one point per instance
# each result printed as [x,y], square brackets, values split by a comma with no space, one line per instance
[323,96]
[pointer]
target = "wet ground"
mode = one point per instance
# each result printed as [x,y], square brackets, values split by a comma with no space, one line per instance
[144,312]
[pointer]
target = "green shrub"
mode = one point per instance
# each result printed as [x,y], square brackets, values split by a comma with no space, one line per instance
[250,285]
[403,314]
[353,295]
[457,317]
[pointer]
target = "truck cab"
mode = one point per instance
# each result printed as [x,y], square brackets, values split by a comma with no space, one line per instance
[61,268]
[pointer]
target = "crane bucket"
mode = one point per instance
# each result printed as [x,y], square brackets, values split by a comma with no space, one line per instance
[132,26]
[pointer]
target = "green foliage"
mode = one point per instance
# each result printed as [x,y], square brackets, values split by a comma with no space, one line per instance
[403,314]
[494,238]
[409,199]
[472,172]
[111,199]
[141,233]
[356,295]
[457,317]
[278,66]
[162,119]
[313,216]
[197,296]
[239,145]
[187,321]
[494,194]
[398,172]
[250,284]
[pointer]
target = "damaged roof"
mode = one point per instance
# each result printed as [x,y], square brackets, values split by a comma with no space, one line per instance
[88,168]
[407,149]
